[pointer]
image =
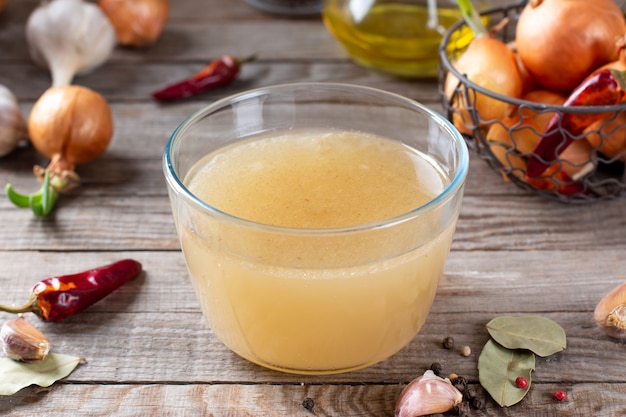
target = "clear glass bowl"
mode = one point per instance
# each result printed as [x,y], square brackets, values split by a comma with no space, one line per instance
[302,296]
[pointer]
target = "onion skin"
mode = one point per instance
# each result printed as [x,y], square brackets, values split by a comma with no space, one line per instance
[609,136]
[547,97]
[137,23]
[562,41]
[71,124]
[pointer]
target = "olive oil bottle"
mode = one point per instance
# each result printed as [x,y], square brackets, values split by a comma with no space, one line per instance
[393,36]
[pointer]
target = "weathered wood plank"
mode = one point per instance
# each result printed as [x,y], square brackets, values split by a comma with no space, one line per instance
[232,400]
[112,80]
[178,348]
[142,222]
[524,282]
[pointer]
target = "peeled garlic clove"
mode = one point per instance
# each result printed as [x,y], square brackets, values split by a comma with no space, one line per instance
[428,394]
[22,341]
[610,313]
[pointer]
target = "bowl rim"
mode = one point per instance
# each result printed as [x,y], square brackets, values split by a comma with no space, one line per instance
[452,189]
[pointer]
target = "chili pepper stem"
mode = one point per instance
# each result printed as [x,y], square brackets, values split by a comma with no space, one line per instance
[247,59]
[29,307]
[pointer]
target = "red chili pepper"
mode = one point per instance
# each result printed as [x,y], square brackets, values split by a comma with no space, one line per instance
[555,179]
[53,299]
[603,88]
[219,72]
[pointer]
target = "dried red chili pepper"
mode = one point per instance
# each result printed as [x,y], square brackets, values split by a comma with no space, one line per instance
[603,88]
[53,299]
[555,179]
[219,72]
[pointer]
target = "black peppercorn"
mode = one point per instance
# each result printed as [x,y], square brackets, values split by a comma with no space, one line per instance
[469,393]
[463,409]
[308,404]
[448,343]
[437,368]
[459,383]
[478,402]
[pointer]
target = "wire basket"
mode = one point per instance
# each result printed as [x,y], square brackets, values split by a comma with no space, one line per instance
[595,171]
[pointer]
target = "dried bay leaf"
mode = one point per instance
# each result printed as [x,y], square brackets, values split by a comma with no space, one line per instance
[538,334]
[498,367]
[17,375]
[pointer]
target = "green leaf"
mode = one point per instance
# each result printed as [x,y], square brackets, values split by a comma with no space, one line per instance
[17,375]
[498,367]
[538,334]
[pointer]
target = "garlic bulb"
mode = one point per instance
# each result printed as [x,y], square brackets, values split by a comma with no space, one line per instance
[22,341]
[428,394]
[12,125]
[69,37]
[137,23]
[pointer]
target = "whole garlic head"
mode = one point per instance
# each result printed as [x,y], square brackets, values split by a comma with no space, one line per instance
[69,37]
[12,124]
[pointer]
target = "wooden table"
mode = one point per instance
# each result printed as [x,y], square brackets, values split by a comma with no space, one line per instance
[148,350]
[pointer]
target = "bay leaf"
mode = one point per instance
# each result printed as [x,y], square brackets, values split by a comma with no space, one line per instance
[498,367]
[538,334]
[17,375]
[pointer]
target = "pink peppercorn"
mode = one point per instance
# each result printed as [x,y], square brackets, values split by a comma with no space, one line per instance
[521,382]
[560,395]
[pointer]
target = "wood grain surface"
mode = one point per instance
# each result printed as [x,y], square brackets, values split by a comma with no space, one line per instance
[148,350]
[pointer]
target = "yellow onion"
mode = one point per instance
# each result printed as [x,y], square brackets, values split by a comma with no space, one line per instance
[562,41]
[491,64]
[70,124]
[137,23]
[609,136]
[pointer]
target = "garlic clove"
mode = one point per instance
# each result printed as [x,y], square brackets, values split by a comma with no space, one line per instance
[22,341]
[69,37]
[610,313]
[427,394]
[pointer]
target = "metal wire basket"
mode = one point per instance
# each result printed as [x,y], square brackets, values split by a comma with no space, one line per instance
[601,175]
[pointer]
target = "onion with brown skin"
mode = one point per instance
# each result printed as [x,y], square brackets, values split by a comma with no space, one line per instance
[562,41]
[488,63]
[547,97]
[70,125]
[137,23]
